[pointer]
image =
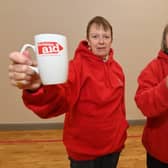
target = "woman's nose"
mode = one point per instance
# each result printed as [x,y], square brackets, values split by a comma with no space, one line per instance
[101,40]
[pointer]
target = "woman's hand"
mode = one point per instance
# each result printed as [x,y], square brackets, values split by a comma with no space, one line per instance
[20,73]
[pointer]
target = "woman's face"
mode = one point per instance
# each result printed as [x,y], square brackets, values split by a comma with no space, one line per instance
[166,40]
[99,40]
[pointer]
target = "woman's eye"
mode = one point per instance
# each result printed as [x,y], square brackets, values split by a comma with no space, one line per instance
[94,36]
[106,37]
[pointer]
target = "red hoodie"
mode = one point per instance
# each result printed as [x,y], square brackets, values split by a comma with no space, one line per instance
[93,101]
[152,99]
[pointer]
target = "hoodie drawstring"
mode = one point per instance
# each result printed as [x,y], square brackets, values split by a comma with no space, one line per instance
[107,74]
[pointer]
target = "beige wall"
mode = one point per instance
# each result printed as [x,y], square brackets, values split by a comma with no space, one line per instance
[137,34]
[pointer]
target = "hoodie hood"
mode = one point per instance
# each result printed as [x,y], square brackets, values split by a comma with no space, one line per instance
[84,51]
[162,55]
[107,68]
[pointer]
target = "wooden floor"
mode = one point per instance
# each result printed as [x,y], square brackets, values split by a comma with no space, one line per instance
[44,149]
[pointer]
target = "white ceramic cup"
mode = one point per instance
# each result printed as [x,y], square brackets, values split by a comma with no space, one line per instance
[52,57]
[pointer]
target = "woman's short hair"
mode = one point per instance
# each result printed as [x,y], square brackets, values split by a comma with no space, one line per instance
[163,43]
[100,21]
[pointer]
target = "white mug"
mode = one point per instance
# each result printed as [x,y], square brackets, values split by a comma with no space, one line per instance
[52,57]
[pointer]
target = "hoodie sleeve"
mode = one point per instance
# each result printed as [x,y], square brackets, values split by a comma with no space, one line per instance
[123,103]
[53,100]
[152,93]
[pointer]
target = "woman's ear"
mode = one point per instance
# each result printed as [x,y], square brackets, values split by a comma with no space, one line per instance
[88,45]
[88,41]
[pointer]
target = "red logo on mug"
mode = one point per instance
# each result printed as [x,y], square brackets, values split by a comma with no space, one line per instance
[49,48]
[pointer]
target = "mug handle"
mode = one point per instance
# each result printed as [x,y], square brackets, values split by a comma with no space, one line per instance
[23,49]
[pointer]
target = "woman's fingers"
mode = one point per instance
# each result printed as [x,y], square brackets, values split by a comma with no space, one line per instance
[18,58]
[20,73]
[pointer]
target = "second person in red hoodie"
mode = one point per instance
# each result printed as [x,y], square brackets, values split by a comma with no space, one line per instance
[92,99]
[152,99]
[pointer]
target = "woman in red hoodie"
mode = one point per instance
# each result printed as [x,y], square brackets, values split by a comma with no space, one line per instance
[92,99]
[152,99]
